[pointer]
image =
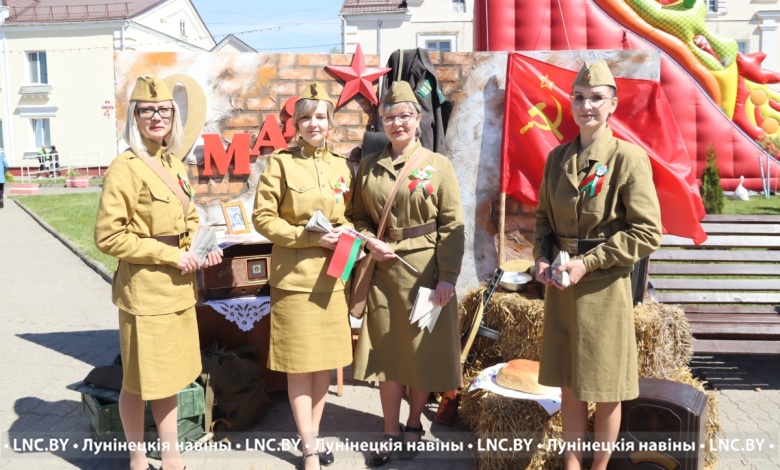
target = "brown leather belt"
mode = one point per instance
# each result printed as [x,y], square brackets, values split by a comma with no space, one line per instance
[171,240]
[398,234]
[578,246]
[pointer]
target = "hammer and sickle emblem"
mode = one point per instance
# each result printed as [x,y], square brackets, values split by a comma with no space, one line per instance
[546,124]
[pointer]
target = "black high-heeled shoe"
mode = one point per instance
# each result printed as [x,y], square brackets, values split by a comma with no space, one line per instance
[302,465]
[379,458]
[326,456]
[408,451]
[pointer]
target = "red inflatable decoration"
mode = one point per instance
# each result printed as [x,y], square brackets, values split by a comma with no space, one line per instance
[522,25]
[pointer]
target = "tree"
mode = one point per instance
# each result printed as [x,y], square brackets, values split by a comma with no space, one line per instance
[711,192]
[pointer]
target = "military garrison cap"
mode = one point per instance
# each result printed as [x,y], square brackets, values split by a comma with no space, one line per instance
[595,74]
[399,92]
[150,89]
[315,91]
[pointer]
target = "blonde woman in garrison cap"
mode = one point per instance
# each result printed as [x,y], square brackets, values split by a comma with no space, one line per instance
[310,333]
[425,229]
[597,203]
[146,222]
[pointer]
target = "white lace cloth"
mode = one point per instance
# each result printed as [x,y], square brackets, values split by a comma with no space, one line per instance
[487,380]
[243,311]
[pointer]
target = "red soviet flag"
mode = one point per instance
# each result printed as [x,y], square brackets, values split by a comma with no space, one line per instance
[537,118]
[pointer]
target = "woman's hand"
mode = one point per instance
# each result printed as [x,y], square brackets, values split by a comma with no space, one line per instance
[443,294]
[213,258]
[331,239]
[543,273]
[188,262]
[576,269]
[380,251]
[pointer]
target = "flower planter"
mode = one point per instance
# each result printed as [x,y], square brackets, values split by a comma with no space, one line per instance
[77,181]
[23,188]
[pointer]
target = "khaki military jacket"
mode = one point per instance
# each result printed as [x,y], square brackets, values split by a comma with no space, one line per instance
[295,183]
[625,211]
[376,176]
[135,205]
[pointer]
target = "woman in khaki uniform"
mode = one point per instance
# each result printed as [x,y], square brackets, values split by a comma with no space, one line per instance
[141,222]
[597,202]
[310,333]
[425,228]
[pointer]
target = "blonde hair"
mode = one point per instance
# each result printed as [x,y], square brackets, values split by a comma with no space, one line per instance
[306,107]
[387,108]
[132,135]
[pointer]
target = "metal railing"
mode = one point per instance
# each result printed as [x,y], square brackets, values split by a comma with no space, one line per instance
[33,167]
[70,12]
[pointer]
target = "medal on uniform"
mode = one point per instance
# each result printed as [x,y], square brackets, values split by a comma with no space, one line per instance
[185,185]
[422,178]
[595,181]
[340,189]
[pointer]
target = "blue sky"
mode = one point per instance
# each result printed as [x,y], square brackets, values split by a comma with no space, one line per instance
[275,25]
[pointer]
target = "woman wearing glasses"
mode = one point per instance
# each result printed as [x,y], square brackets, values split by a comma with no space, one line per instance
[597,202]
[425,228]
[146,222]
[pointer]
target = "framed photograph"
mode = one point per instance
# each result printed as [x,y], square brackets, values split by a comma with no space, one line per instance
[235,217]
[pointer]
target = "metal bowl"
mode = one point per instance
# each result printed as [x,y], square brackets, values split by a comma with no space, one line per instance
[514,281]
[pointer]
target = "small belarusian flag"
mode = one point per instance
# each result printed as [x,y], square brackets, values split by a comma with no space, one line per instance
[347,251]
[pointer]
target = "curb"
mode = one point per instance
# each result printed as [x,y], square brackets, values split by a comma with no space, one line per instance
[94,265]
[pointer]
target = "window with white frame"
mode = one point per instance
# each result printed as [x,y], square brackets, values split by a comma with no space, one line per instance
[712,6]
[438,45]
[183,28]
[41,132]
[438,42]
[37,66]
[459,6]
[742,47]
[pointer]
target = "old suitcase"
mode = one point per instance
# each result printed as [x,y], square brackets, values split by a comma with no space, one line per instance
[243,271]
[665,428]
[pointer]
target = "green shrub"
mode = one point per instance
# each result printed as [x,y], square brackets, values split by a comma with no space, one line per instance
[711,192]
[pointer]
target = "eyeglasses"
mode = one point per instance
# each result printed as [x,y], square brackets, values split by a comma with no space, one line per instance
[148,113]
[595,101]
[403,118]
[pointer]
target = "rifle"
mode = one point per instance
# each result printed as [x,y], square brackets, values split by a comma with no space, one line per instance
[448,407]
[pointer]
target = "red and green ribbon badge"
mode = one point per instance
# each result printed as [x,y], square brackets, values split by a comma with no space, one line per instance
[595,181]
[422,178]
[340,189]
[185,185]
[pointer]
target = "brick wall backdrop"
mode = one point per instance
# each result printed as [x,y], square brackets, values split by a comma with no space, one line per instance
[292,74]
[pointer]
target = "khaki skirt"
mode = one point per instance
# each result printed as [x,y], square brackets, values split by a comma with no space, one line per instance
[160,353]
[588,340]
[310,331]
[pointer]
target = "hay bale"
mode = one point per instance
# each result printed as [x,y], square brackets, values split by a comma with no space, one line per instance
[663,339]
[493,416]
[664,348]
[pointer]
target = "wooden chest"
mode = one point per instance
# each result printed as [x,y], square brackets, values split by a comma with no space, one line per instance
[243,271]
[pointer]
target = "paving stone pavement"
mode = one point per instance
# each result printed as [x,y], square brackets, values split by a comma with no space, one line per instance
[57,322]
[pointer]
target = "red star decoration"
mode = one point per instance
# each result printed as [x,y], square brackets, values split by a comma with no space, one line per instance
[358,78]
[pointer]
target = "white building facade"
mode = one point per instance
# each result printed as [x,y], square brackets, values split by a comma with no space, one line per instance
[752,23]
[383,26]
[57,66]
